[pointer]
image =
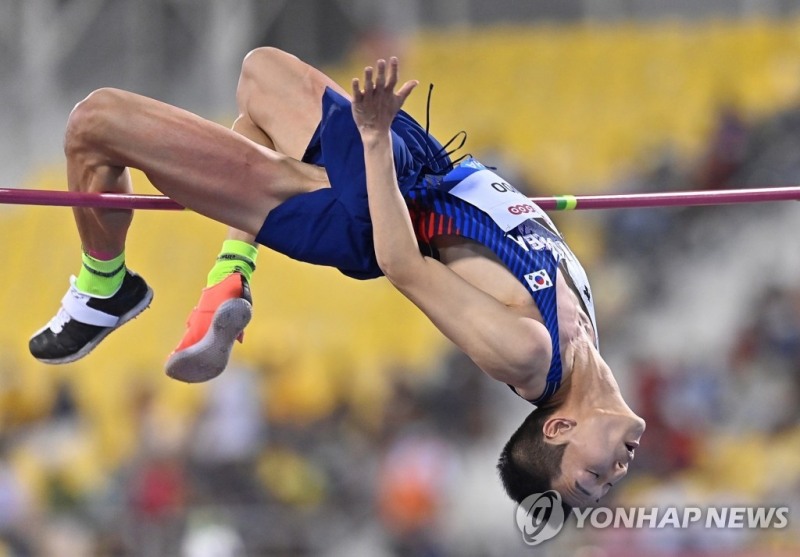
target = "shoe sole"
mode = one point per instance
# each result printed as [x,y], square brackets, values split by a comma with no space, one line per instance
[209,357]
[124,318]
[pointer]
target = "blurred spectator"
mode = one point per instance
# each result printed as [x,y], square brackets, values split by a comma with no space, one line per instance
[726,151]
[15,506]
[206,537]
[65,536]
[773,329]
[158,489]
[228,437]
[158,495]
[765,360]
[670,443]
[411,490]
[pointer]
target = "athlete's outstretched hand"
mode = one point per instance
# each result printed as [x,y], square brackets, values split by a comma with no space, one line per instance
[376,105]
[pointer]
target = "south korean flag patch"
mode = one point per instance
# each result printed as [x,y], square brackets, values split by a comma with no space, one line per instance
[539,280]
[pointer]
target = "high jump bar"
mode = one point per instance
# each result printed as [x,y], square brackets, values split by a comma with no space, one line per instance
[53,198]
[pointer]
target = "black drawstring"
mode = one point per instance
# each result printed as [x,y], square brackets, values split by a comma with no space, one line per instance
[463,135]
[428,112]
[435,158]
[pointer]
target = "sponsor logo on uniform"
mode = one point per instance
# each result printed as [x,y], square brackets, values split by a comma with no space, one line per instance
[521,209]
[539,280]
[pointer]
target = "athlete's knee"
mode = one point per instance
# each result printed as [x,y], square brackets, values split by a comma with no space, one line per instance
[261,70]
[257,64]
[91,117]
[261,60]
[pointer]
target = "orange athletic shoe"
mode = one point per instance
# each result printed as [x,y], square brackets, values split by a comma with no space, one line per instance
[221,315]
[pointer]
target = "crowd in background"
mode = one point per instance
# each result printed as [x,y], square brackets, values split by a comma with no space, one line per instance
[231,484]
[418,479]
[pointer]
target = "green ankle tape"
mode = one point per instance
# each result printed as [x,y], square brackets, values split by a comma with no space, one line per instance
[101,278]
[235,256]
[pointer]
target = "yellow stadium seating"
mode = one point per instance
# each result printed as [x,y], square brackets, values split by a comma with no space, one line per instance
[575,105]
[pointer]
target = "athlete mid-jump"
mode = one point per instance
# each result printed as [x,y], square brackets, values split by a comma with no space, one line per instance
[354,183]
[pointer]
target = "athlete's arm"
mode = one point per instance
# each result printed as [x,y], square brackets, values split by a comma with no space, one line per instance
[374,108]
[508,347]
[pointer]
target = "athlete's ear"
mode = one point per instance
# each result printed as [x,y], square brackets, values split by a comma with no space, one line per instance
[558,428]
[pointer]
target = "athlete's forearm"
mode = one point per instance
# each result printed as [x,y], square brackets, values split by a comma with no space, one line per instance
[396,246]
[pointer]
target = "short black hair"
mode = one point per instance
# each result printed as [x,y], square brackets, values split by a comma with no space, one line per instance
[528,464]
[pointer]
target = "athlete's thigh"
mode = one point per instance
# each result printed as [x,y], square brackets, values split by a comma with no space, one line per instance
[281,95]
[198,163]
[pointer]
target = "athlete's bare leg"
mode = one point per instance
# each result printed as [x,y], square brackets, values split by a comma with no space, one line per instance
[270,117]
[200,164]
[214,171]
[285,124]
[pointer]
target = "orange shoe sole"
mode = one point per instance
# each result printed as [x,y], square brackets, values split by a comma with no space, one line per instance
[207,358]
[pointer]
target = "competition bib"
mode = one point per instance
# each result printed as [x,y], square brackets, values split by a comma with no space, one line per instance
[522,221]
[500,200]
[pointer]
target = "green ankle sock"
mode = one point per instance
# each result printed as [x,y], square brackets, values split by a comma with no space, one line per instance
[236,255]
[101,278]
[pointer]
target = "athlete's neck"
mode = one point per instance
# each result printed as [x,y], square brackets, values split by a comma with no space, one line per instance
[593,384]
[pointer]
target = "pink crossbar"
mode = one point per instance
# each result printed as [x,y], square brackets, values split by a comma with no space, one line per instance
[16,196]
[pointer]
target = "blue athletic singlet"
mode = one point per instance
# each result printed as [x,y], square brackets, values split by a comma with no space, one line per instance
[473,202]
[332,226]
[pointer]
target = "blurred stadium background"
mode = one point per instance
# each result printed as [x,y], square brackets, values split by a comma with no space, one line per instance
[346,425]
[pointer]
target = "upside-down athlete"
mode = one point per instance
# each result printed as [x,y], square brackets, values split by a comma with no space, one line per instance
[353,182]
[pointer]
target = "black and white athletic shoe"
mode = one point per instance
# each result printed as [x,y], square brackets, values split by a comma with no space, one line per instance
[83,320]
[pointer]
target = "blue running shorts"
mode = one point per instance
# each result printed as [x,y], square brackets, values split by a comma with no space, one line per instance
[332,226]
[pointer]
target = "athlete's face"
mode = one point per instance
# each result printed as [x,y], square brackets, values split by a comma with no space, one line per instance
[599,450]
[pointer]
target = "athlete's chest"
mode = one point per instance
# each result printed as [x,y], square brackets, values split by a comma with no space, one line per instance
[478,265]
[505,245]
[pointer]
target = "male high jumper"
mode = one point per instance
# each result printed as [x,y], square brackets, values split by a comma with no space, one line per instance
[355,183]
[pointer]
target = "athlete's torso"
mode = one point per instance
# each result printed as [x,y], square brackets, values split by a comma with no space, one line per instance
[501,242]
[479,266]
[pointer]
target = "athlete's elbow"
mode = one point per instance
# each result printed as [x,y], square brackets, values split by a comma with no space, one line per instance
[526,361]
[397,270]
[399,266]
[538,356]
